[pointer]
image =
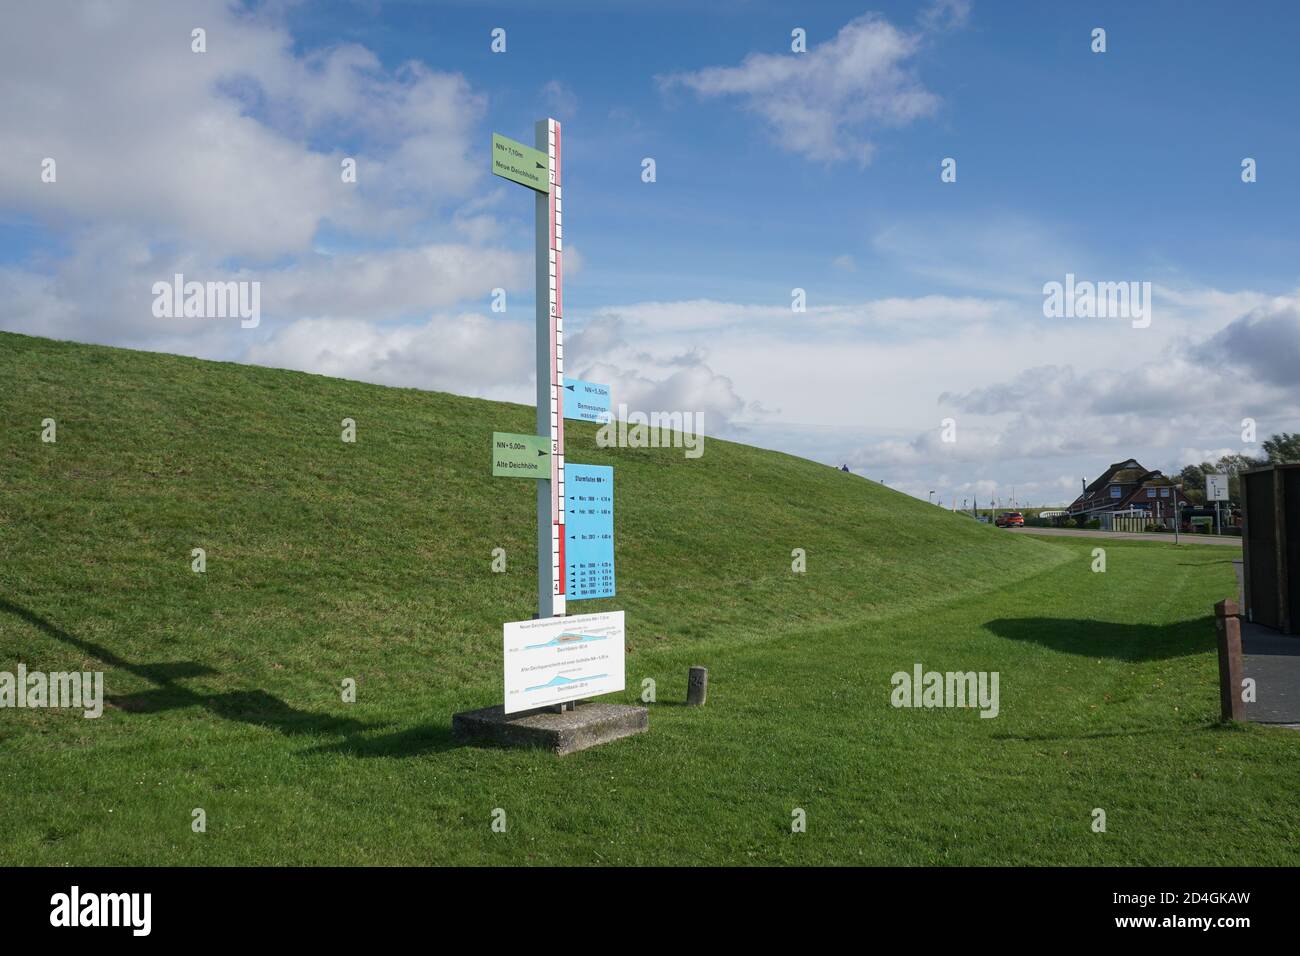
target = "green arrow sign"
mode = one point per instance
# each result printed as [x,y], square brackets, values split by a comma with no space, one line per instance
[521,164]
[520,456]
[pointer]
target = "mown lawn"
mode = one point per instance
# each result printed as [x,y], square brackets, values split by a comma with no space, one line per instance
[372,561]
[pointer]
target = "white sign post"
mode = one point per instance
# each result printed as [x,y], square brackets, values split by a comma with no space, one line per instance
[550,376]
[1216,487]
[1216,490]
[540,170]
[553,660]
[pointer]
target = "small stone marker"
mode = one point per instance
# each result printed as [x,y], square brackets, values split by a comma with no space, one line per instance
[697,686]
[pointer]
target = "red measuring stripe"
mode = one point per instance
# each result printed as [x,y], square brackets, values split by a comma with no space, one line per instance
[557,374]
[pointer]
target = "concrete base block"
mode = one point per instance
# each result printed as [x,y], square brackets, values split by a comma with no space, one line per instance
[586,726]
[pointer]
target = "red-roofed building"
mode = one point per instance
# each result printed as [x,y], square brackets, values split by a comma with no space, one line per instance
[1129,489]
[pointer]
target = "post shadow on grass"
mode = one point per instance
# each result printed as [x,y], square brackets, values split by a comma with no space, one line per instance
[412,742]
[255,707]
[1120,642]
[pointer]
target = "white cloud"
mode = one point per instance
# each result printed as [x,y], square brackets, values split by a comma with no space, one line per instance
[917,316]
[560,100]
[1264,343]
[645,376]
[821,104]
[1201,455]
[945,14]
[1184,405]
[212,165]
[102,290]
[393,283]
[695,388]
[212,149]
[469,354]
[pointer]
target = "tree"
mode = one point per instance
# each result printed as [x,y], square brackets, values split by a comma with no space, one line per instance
[1193,476]
[1233,466]
[1283,448]
[1193,479]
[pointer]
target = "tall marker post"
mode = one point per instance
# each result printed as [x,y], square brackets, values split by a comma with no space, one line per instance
[554,660]
[550,375]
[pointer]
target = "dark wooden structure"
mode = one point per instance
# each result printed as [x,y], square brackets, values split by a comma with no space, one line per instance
[1271,545]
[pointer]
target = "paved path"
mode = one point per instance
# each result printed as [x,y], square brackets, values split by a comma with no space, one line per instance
[1130,536]
[1273,660]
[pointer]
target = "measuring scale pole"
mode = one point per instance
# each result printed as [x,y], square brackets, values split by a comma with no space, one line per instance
[550,377]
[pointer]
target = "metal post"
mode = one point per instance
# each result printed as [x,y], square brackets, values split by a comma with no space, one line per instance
[549,252]
[550,376]
[1178,511]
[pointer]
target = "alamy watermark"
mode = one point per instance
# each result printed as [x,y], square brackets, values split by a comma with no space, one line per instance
[1098,300]
[655,430]
[78,690]
[75,908]
[923,688]
[179,299]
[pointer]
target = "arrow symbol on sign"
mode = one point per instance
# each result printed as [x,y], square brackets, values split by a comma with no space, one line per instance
[541,453]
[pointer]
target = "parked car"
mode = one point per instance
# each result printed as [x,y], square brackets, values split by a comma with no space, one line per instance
[1010,519]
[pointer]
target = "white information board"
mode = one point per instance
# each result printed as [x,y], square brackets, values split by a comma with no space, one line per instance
[1216,487]
[557,659]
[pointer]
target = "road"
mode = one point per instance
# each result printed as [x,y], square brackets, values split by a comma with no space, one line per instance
[1130,536]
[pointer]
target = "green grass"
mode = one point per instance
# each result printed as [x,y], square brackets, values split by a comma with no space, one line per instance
[372,560]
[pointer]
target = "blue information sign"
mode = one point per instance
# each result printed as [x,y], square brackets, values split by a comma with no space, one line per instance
[586,401]
[588,531]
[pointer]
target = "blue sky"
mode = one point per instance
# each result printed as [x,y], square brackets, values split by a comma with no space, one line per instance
[924,298]
[1137,149]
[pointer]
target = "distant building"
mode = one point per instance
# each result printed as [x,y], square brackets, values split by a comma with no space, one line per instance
[1129,491]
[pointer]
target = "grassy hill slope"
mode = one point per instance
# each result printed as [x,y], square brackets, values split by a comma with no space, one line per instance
[375,556]
[328,560]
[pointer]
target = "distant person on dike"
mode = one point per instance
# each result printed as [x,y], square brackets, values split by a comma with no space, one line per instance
[844,467]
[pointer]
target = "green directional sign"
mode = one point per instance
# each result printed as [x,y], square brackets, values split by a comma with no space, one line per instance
[520,456]
[521,164]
